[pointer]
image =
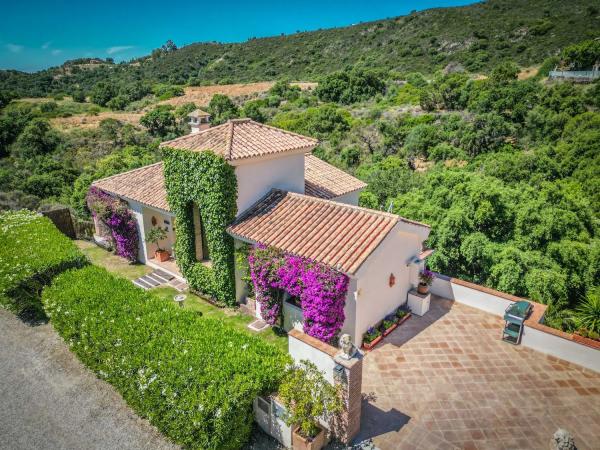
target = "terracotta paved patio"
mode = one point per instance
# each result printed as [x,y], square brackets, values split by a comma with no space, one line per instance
[446,380]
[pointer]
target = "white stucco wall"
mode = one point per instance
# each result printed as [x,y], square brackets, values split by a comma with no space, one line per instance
[350,199]
[561,348]
[299,351]
[376,298]
[255,179]
[493,304]
[143,216]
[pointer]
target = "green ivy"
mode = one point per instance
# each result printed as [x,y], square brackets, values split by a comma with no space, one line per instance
[208,181]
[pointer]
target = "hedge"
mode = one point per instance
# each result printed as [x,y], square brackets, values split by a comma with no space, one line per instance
[208,181]
[32,252]
[194,378]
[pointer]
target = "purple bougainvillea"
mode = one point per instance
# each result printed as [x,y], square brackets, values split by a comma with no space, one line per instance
[321,289]
[115,215]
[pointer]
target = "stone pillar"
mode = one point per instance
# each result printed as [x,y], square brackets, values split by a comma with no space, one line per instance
[350,377]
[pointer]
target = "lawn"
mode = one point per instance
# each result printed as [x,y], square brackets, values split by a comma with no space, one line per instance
[100,257]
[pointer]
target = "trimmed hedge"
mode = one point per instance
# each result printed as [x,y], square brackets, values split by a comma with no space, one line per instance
[194,378]
[32,252]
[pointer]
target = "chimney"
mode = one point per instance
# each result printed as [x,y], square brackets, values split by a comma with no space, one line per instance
[199,121]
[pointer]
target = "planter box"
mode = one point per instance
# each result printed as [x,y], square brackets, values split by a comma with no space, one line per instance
[418,303]
[301,443]
[373,343]
[390,329]
[404,319]
[586,341]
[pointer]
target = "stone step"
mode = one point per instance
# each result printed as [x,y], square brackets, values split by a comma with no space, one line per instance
[151,282]
[161,273]
[157,275]
[141,284]
[155,279]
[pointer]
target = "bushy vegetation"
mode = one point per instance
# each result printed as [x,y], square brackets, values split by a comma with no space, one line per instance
[476,36]
[32,252]
[194,378]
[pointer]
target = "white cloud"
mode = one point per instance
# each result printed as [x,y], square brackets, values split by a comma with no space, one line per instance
[118,49]
[46,45]
[14,48]
[56,52]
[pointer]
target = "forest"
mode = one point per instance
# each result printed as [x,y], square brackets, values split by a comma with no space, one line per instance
[504,167]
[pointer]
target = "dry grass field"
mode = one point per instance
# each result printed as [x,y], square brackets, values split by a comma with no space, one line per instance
[200,95]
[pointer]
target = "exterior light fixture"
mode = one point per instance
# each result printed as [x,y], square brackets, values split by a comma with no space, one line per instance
[179,299]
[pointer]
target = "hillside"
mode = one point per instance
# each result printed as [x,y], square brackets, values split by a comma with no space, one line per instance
[477,36]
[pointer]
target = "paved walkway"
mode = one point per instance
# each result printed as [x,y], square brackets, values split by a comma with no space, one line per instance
[446,380]
[49,400]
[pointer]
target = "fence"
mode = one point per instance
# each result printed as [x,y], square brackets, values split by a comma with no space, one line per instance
[578,76]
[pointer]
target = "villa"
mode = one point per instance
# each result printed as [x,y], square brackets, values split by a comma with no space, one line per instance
[290,200]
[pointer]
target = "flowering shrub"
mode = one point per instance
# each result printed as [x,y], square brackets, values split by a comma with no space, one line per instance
[193,377]
[115,215]
[32,252]
[426,277]
[371,334]
[321,289]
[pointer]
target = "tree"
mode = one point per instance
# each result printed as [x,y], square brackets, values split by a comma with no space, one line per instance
[118,103]
[160,121]
[582,56]
[505,72]
[37,138]
[308,397]
[349,87]
[252,110]
[78,96]
[102,93]
[221,109]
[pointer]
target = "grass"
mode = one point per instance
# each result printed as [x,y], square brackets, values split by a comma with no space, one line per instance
[115,264]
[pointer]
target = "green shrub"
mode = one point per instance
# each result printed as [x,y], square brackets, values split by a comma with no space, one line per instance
[194,378]
[32,252]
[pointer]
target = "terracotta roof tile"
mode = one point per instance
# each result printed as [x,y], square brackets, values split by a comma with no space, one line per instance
[326,181]
[198,113]
[336,234]
[242,138]
[145,185]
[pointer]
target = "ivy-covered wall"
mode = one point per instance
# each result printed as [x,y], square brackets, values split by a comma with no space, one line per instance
[208,181]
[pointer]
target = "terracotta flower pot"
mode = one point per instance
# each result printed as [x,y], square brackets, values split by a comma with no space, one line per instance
[162,255]
[373,343]
[299,442]
[423,288]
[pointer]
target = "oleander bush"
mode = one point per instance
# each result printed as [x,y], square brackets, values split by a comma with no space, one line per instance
[194,378]
[32,252]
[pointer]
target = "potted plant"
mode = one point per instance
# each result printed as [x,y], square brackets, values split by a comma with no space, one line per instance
[425,280]
[389,324]
[308,397]
[402,315]
[155,235]
[371,338]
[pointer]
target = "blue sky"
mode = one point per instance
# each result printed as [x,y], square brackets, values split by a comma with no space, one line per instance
[39,34]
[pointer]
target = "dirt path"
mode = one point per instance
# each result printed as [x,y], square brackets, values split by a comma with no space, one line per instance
[49,400]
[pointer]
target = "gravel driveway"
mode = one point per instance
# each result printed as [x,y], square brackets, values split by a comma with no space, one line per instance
[49,400]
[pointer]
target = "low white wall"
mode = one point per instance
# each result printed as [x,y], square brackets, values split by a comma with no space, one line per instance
[300,350]
[533,338]
[561,348]
[444,287]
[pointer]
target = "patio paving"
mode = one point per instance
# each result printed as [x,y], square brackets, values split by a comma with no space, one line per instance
[446,380]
